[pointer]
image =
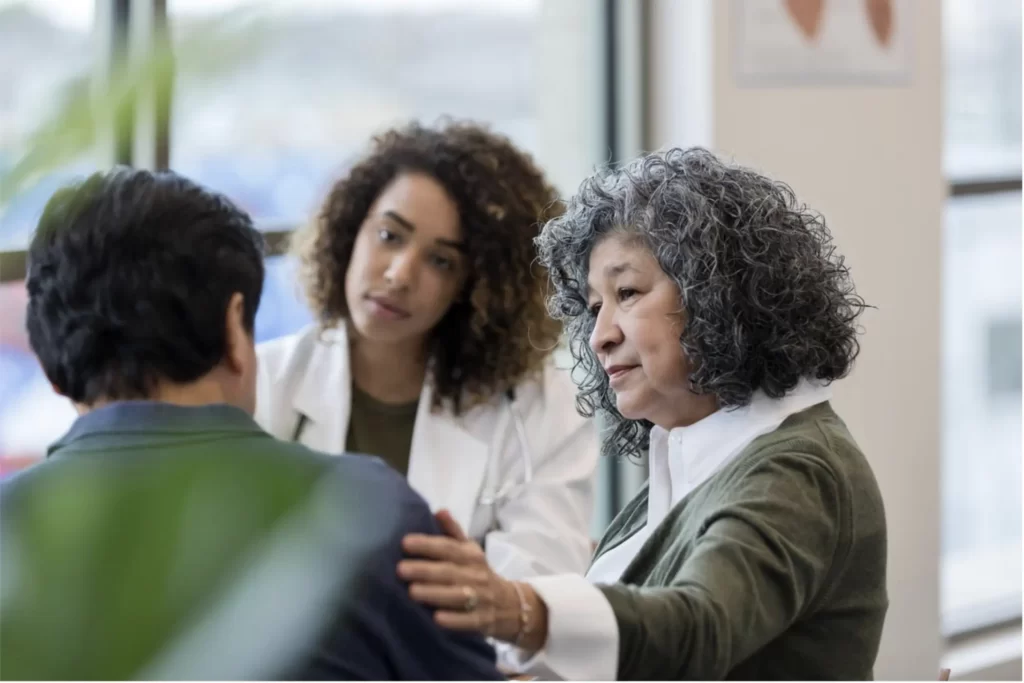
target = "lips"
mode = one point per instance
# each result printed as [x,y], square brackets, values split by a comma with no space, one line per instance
[617,372]
[387,308]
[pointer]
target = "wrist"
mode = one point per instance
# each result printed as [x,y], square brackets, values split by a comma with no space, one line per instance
[532,630]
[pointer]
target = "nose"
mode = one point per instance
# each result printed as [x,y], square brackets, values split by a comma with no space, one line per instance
[401,270]
[607,334]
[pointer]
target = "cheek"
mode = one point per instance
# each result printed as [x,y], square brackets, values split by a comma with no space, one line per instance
[662,354]
[435,293]
[356,275]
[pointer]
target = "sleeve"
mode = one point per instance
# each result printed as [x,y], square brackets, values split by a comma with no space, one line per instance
[545,529]
[388,636]
[759,563]
[583,635]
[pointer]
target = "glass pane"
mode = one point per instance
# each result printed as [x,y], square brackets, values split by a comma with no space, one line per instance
[32,416]
[982,88]
[46,47]
[283,308]
[273,129]
[981,426]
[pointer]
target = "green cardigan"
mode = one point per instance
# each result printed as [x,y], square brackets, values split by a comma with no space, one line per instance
[774,568]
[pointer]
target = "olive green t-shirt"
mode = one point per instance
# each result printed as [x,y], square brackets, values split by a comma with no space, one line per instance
[381,429]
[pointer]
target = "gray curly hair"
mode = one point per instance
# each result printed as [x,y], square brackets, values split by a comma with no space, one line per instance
[768,300]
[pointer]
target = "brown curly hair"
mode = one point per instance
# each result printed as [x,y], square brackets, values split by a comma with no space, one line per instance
[497,333]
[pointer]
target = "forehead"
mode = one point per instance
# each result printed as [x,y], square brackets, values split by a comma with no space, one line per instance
[618,254]
[422,202]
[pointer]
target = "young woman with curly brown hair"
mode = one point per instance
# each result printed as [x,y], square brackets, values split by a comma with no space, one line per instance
[432,348]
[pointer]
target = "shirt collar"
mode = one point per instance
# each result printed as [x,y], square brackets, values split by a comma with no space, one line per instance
[685,457]
[151,418]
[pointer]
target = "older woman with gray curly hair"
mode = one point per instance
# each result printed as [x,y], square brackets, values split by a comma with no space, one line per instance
[709,313]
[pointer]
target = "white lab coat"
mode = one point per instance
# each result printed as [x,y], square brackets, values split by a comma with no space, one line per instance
[457,462]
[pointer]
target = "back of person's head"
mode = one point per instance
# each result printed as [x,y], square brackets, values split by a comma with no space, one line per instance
[140,283]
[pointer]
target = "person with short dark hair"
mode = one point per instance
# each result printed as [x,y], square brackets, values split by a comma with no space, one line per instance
[708,313]
[167,535]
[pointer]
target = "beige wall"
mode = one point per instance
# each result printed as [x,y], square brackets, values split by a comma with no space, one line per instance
[868,158]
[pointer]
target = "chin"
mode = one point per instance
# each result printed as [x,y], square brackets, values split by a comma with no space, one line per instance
[374,330]
[629,409]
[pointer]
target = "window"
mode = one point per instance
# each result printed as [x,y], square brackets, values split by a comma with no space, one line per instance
[274,128]
[283,308]
[31,415]
[981,360]
[277,117]
[57,40]
[46,50]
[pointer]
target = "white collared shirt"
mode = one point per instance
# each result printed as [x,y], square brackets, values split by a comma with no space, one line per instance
[583,635]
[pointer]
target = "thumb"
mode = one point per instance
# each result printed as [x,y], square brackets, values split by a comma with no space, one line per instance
[449,526]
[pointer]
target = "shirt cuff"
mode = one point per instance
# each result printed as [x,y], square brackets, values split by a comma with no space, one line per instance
[583,634]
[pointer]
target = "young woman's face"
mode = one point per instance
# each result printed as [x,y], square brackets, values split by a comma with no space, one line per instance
[408,263]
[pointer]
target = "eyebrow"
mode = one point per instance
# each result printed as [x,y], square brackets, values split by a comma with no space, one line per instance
[407,224]
[614,270]
[397,218]
[619,268]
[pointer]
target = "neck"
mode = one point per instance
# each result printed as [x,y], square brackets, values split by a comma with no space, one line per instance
[202,392]
[694,409]
[390,373]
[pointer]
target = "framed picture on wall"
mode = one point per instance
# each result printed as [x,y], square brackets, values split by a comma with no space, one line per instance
[822,42]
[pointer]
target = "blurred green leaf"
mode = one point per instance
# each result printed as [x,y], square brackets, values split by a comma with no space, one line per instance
[87,114]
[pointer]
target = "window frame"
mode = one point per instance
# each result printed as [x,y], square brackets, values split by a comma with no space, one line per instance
[144,140]
[969,624]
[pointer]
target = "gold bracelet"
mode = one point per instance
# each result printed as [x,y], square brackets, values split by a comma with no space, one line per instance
[524,615]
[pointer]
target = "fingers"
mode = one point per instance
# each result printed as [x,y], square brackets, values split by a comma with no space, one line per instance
[434,547]
[448,597]
[425,571]
[459,621]
[442,548]
[449,526]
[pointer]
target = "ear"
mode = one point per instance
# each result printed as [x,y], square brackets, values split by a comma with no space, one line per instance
[237,339]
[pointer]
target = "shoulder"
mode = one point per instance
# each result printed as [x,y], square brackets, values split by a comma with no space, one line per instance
[369,489]
[378,482]
[544,402]
[305,361]
[552,386]
[818,438]
[547,404]
[281,357]
[14,486]
[549,398]
[810,461]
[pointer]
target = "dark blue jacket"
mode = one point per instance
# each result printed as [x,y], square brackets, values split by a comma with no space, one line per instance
[162,541]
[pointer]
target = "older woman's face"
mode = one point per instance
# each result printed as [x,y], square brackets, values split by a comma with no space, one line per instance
[639,320]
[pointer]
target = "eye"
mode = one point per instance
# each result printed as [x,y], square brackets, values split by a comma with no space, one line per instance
[386,236]
[594,308]
[626,293]
[442,262]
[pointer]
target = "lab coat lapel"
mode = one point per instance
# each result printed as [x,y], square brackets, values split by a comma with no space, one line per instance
[448,462]
[324,395]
